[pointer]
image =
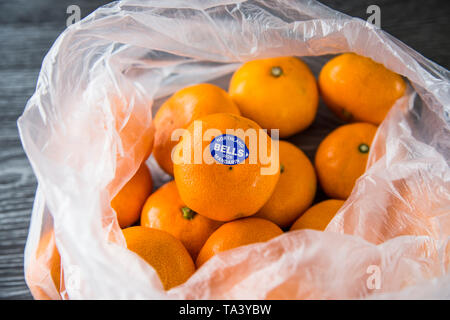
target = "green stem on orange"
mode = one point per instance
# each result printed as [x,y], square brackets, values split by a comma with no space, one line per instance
[347,115]
[276,71]
[188,213]
[281,168]
[363,148]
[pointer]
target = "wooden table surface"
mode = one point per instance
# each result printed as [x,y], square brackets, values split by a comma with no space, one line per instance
[27,31]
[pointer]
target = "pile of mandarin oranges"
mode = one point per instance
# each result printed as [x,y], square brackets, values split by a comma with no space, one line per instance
[213,206]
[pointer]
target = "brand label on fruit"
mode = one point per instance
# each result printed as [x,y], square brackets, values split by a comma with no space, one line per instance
[228,149]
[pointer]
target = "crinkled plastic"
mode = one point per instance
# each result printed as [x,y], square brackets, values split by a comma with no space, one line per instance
[86,128]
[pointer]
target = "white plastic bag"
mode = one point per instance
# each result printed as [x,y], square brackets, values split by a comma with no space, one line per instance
[84,128]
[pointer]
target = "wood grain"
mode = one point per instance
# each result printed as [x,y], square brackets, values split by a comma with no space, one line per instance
[27,31]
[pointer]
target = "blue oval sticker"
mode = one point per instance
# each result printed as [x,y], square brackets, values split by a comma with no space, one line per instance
[228,149]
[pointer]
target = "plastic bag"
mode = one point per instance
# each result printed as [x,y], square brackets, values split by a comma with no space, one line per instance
[84,131]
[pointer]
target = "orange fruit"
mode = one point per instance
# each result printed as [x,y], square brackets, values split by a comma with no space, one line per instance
[165,253]
[237,233]
[180,110]
[295,189]
[277,93]
[164,210]
[318,216]
[219,191]
[130,199]
[342,157]
[46,259]
[356,88]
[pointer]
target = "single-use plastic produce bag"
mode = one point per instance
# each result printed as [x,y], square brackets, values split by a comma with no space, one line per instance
[86,128]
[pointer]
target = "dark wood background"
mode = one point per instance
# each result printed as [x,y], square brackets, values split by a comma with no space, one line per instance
[28,29]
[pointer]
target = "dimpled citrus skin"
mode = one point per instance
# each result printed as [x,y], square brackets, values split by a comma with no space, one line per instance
[130,199]
[225,192]
[287,102]
[165,253]
[295,189]
[179,110]
[318,216]
[339,161]
[47,254]
[356,88]
[163,210]
[237,233]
